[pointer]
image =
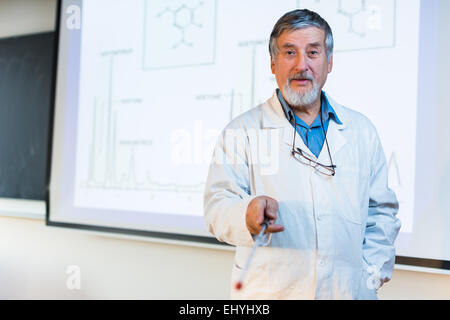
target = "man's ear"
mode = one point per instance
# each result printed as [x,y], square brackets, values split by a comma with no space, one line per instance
[330,64]
[272,65]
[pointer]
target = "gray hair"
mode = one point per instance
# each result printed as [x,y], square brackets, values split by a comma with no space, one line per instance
[300,19]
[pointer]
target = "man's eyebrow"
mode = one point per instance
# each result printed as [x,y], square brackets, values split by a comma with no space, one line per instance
[288,45]
[315,44]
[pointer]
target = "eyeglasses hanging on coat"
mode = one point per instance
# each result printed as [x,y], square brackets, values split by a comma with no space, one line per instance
[303,157]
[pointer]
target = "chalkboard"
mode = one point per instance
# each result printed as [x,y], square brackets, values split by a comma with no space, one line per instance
[26,71]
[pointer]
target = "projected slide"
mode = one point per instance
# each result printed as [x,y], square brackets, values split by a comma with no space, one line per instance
[358,24]
[189,33]
[160,79]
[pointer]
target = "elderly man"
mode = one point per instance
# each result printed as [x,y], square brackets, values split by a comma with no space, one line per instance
[332,218]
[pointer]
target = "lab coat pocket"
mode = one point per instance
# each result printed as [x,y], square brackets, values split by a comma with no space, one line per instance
[255,283]
[347,187]
[291,274]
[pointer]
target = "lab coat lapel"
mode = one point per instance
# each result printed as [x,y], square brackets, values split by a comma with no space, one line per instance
[335,133]
[288,138]
[336,141]
[274,117]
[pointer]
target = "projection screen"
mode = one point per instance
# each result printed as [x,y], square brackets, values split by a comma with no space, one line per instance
[143,88]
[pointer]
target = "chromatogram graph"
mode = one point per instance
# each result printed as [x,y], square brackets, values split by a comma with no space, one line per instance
[127,168]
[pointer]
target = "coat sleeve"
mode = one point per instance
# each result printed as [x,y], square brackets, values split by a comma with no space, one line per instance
[382,225]
[227,189]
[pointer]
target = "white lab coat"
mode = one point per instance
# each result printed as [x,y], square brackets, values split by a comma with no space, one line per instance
[335,227]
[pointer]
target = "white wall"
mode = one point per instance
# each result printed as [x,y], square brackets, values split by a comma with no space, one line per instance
[34,258]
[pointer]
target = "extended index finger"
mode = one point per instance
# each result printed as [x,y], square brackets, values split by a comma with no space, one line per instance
[271,209]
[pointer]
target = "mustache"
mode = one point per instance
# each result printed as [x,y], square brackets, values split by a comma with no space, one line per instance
[301,76]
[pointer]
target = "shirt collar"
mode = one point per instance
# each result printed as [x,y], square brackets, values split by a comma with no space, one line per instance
[327,109]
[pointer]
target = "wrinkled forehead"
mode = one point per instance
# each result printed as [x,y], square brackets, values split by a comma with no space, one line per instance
[303,37]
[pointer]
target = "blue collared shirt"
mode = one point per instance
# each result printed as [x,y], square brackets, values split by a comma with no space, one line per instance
[314,135]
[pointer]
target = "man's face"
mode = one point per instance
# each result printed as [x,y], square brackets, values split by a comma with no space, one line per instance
[301,65]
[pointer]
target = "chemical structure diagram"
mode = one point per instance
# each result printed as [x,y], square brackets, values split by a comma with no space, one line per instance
[183,18]
[352,10]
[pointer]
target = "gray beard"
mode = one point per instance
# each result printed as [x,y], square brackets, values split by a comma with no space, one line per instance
[296,99]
